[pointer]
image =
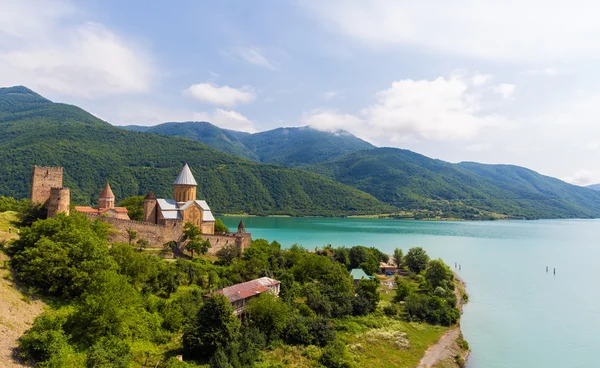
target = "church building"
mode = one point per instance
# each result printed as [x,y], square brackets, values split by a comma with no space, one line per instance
[183,208]
[106,206]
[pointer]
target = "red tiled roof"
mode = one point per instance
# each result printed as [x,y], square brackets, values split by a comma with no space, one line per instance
[88,209]
[247,289]
[107,192]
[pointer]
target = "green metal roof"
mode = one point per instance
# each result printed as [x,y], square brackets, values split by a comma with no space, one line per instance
[358,274]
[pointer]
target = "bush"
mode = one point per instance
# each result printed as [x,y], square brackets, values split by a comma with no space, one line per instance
[430,309]
[220,226]
[335,355]
[403,290]
[390,310]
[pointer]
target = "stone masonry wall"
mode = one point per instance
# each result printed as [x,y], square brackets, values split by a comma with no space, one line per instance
[158,235]
[43,180]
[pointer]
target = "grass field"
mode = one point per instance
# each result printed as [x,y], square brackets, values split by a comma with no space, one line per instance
[373,341]
[7,219]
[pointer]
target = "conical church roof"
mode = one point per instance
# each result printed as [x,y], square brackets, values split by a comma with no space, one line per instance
[107,192]
[185,177]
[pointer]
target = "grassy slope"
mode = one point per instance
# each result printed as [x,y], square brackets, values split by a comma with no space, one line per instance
[94,152]
[17,311]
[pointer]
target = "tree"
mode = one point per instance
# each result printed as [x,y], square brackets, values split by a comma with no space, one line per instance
[214,326]
[403,289]
[363,257]
[227,254]
[135,207]
[192,236]
[367,297]
[220,226]
[131,235]
[142,244]
[416,259]
[62,255]
[438,274]
[335,355]
[398,254]
[269,314]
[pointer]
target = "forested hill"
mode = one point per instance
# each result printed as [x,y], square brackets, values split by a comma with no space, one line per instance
[291,147]
[220,139]
[595,187]
[35,131]
[409,180]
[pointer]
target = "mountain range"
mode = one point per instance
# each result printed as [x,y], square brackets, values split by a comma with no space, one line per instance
[293,171]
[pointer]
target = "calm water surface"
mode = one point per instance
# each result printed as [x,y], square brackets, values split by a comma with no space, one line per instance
[518,315]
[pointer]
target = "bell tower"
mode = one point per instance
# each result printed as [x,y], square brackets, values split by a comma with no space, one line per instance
[184,187]
[106,199]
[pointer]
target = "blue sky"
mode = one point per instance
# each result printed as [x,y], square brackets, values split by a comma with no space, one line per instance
[496,82]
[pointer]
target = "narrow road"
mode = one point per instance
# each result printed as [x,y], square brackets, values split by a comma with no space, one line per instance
[441,350]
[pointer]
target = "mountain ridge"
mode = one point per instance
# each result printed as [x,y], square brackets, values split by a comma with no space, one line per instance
[94,152]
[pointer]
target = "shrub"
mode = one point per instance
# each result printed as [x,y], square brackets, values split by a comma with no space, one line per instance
[390,310]
[335,355]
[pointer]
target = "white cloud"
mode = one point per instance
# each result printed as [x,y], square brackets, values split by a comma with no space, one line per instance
[253,56]
[220,96]
[510,30]
[332,120]
[47,47]
[479,147]
[480,79]
[441,109]
[506,90]
[148,115]
[583,177]
[550,72]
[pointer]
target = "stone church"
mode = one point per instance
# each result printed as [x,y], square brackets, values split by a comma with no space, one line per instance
[184,207]
[106,206]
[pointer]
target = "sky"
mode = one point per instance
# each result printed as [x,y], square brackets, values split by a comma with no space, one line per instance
[502,82]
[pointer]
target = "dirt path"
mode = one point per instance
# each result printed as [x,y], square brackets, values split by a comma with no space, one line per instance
[447,346]
[16,316]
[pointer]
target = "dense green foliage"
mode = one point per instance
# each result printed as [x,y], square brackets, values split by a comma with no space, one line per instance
[34,131]
[220,226]
[429,296]
[416,259]
[284,146]
[116,306]
[220,139]
[414,182]
[135,207]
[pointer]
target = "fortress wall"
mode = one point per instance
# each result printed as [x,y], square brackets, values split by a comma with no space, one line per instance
[43,180]
[158,235]
[59,201]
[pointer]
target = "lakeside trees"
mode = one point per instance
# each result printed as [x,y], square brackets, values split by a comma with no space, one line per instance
[120,307]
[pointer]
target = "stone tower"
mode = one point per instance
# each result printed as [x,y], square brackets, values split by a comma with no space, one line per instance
[184,187]
[43,179]
[59,201]
[241,227]
[150,214]
[106,199]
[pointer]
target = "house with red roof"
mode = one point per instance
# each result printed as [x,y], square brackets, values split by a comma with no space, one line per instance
[239,295]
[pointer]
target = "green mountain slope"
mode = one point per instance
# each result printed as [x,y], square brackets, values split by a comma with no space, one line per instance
[220,139]
[595,187]
[302,145]
[35,131]
[283,146]
[411,181]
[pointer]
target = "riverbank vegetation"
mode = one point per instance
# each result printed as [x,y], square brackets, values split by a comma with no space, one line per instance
[113,305]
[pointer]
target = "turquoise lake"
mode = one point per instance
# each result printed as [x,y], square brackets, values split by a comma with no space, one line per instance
[518,315]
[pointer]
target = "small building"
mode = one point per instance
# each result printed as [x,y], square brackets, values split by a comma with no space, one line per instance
[106,206]
[239,295]
[387,267]
[358,274]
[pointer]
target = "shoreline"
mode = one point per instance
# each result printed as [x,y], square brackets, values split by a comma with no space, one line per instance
[451,349]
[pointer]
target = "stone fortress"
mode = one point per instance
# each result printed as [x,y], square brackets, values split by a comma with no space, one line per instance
[164,219]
